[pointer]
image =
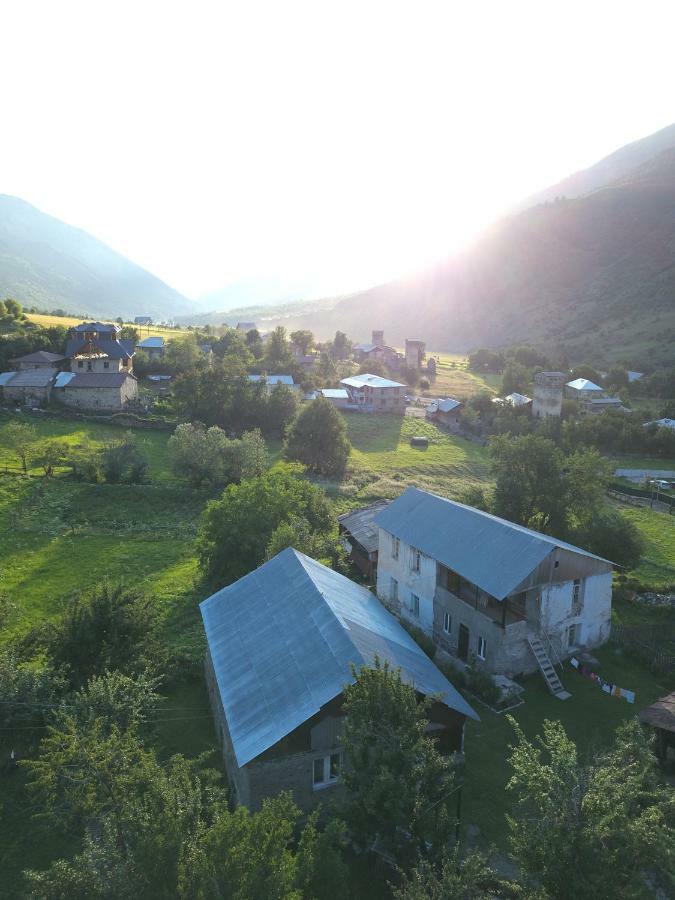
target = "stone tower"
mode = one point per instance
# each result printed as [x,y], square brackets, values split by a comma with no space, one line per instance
[378,338]
[414,352]
[548,394]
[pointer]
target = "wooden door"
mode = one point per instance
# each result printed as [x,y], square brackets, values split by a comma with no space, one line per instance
[463,643]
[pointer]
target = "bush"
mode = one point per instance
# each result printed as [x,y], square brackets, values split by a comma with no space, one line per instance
[610,535]
[420,637]
[480,683]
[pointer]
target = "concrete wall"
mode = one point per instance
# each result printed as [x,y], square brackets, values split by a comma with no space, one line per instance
[28,396]
[99,398]
[97,364]
[423,584]
[547,400]
[593,615]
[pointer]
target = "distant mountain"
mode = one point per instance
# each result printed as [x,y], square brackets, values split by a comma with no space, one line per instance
[594,275]
[254,292]
[46,263]
[612,167]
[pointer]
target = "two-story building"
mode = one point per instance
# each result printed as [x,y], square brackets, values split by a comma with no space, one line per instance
[485,589]
[372,393]
[97,347]
[281,644]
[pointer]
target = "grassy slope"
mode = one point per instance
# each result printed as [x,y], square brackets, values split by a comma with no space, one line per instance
[144,330]
[657,566]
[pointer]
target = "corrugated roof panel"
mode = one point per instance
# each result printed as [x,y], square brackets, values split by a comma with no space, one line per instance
[63,378]
[283,640]
[359,381]
[583,384]
[5,377]
[40,378]
[490,552]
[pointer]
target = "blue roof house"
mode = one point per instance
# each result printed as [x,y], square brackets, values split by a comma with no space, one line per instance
[489,591]
[281,643]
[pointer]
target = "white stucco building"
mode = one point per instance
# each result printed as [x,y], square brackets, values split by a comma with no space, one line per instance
[486,589]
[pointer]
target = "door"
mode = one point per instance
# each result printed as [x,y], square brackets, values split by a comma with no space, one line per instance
[463,643]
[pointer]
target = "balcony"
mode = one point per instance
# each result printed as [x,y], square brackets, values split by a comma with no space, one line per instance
[502,613]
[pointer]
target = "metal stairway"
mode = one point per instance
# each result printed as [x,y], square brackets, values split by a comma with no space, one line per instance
[553,683]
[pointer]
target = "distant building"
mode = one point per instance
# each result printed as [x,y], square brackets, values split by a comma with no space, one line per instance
[414,353]
[446,411]
[28,387]
[582,389]
[662,423]
[153,346]
[272,381]
[514,399]
[634,376]
[338,396]
[246,326]
[143,320]
[110,392]
[360,535]
[597,405]
[372,393]
[377,337]
[41,359]
[282,643]
[548,394]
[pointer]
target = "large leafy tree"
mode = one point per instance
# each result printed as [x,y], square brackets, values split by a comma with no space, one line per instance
[400,787]
[303,340]
[236,530]
[459,877]
[318,438]
[207,456]
[20,438]
[278,357]
[588,829]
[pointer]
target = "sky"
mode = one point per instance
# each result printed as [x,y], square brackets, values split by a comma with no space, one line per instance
[328,146]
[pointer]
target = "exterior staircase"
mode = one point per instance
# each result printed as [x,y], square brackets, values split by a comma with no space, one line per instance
[553,683]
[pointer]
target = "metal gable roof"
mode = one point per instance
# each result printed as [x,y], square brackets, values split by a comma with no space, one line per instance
[153,342]
[39,378]
[490,552]
[283,640]
[583,384]
[359,523]
[6,377]
[358,381]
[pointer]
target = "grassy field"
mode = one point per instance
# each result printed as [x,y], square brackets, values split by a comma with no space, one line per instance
[144,330]
[453,379]
[657,566]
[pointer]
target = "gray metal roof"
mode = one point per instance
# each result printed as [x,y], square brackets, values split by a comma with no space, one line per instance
[273,379]
[490,552]
[43,356]
[283,640]
[334,393]
[360,524]
[5,377]
[152,342]
[39,378]
[63,378]
[583,384]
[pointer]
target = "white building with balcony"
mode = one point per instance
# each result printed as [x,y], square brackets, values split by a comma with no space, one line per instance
[487,590]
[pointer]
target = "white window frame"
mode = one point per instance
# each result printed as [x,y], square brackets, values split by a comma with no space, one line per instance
[328,779]
[576,592]
[416,561]
[395,547]
[482,647]
[415,605]
[447,622]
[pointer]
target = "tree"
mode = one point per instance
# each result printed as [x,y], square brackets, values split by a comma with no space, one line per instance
[616,379]
[52,454]
[282,406]
[373,367]
[208,456]
[236,529]
[516,378]
[129,333]
[318,438]
[125,702]
[278,357]
[111,628]
[341,346]
[20,437]
[609,534]
[590,829]
[13,308]
[27,687]
[303,340]
[467,877]
[123,462]
[400,787]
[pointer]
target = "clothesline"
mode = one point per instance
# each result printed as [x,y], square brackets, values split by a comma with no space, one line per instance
[608,687]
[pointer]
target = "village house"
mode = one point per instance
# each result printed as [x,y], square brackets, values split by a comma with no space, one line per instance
[109,391]
[337,396]
[662,423]
[153,346]
[548,394]
[41,359]
[95,347]
[445,411]
[143,320]
[487,590]
[602,404]
[372,393]
[380,351]
[360,537]
[515,399]
[272,381]
[29,387]
[582,389]
[281,643]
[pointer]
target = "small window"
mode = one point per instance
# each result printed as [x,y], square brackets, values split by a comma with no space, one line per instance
[395,547]
[447,622]
[80,364]
[88,367]
[415,605]
[125,361]
[394,590]
[482,647]
[318,771]
[416,560]
[106,365]
[326,770]
[576,591]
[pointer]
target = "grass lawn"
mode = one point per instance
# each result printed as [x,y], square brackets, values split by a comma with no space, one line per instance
[654,463]
[453,379]
[590,718]
[383,463]
[657,566]
[168,334]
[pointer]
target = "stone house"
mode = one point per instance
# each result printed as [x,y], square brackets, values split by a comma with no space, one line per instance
[445,411]
[41,359]
[338,396]
[281,643]
[97,347]
[153,346]
[548,394]
[582,389]
[29,387]
[487,590]
[372,393]
[109,391]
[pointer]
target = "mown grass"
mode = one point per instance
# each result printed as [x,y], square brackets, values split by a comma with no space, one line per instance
[453,378]
[589,716]
[657,565]
[168,334]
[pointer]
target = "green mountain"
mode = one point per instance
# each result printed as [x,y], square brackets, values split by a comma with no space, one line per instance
[46,263]
[595,275]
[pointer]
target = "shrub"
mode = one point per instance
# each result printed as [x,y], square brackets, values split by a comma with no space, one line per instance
[420,637]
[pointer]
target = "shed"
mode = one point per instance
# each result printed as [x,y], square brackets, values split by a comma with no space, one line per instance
[361,534]
[661,717]
[29,386]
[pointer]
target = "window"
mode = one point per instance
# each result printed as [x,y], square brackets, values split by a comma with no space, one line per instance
[125,361]
[416,560]
[88,367]
[449,580]
[415,605]
[326,770]
[482,647]
[394,590]
[576,592]
[80,364]
[395,547]
[447,622]
[106,365]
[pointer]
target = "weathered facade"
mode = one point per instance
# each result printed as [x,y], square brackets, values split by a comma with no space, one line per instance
[281,645]
[414,353]
[91,390]
[361,537]
[548,394]
[29,387]
[446,411]
[41,359]
[481,586]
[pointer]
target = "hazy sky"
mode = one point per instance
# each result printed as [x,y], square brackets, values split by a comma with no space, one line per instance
[334,144]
